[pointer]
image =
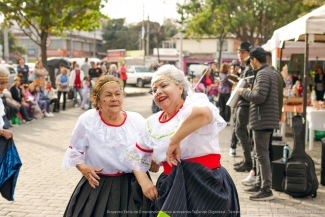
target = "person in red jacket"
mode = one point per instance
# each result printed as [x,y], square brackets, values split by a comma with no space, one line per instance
[124,76]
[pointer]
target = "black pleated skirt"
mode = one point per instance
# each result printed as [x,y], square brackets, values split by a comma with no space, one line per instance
[115,196]
[194,190]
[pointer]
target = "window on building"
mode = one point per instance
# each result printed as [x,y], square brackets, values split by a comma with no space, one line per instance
[168,44]
[77,45]
[56,44]
[86,46]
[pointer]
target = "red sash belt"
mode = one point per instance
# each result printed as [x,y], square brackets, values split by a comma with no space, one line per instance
[116,174]
[211,161]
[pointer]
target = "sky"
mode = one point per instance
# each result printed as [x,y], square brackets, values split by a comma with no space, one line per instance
[132,10]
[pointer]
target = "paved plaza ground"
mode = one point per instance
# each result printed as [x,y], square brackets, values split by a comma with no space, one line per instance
[44,188]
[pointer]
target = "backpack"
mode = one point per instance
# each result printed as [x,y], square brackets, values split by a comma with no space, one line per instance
[300,176]
[64,79]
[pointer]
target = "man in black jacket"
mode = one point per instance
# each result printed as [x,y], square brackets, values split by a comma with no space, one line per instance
[241,111]
[263,118]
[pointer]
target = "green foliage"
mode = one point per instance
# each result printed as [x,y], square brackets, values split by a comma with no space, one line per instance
[40,18]
[118,35]
[13,47]
[170,28]
[252,21]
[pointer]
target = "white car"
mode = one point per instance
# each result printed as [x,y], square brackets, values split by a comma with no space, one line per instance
[196,70]
[12,73]
[31,75]
[138,75]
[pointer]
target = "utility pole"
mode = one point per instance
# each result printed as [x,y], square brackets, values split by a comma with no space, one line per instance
[71,45]
[140,40]
[148,38]
[6,43]
[181,49]
[94,55]
[143,33]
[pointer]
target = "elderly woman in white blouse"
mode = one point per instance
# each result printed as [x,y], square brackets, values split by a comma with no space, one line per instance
[184,139]
[10,161]
[100,136]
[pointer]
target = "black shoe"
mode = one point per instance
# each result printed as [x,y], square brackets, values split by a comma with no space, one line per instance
[253,189]
[238,163]
[244,167]
[56,111]
[262,194]
[30,120]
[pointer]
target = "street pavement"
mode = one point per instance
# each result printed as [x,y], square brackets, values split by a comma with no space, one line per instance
[44,188]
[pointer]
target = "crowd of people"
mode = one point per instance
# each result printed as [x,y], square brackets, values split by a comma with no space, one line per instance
[115,149]
[181,137]
[256,114]
[25,101]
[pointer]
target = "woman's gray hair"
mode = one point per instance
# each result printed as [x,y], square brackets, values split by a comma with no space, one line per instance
[4,72]
[112,66]
[170,71]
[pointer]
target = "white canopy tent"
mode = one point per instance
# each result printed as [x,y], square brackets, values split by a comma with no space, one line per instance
[311,24]
[310,29]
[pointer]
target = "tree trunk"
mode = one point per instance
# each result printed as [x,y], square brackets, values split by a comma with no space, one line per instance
[158,48]
[43,48]
[221,41]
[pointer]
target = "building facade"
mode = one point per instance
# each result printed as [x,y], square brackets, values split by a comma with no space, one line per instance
[194,51]
[74,45]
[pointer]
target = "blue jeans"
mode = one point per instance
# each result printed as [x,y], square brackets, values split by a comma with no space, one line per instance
[75,91]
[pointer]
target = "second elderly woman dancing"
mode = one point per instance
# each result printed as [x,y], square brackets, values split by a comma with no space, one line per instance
[101,135]
[184,133]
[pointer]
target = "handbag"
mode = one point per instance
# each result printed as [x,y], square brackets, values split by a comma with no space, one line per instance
[70,94]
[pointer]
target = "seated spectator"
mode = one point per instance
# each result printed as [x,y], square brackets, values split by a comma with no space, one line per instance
[35,110]
[50,95]
[15,95]
[10,110]
[200,88]
[42,102]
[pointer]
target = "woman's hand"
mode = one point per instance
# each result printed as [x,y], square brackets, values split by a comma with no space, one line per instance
[154,166]
[149,189]
[90,174]
[173,152]
[6,133]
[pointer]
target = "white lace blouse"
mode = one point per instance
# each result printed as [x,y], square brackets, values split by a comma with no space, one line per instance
[2,113]
[99,144]
[155,140]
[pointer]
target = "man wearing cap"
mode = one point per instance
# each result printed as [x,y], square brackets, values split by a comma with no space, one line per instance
[263,118]
[241,112]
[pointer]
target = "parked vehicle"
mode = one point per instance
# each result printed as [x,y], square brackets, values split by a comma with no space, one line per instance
[12,73]
[138,75]
[196,70]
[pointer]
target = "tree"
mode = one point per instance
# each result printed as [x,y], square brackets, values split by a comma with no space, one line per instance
[251,21]
[255,21]
[40,18]
[13,47]
[115,34]
[170,28]
[208,19]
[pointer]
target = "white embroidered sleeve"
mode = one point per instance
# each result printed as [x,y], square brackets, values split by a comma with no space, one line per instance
[201,100]
[75,154]
[137,158]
